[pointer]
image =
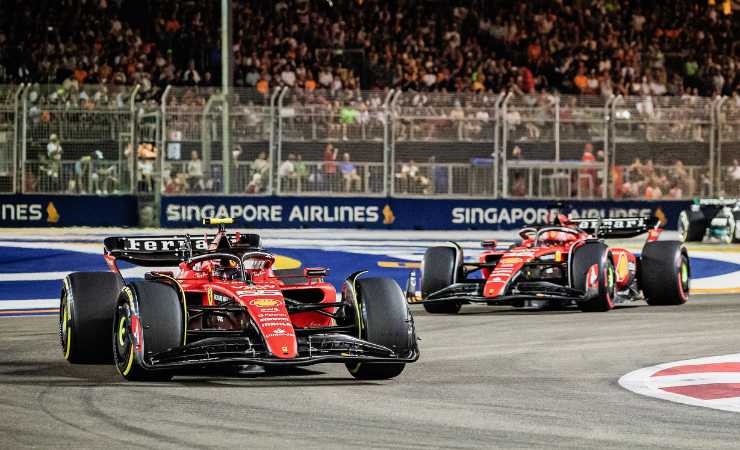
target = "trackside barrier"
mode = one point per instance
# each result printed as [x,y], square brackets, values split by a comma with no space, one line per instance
[313,212]
[394,213]
[68,210]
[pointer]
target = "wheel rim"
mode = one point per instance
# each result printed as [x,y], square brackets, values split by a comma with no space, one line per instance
[610,282]
[684,273]
[122,337]
[683,225]
[65,326]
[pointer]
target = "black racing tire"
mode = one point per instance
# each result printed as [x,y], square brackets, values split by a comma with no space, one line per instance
[692,225]
[86,308]
[384,319]
[442,267]
[161,319]
[665,273]
[583,258]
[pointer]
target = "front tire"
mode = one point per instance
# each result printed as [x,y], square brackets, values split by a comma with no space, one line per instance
[442,267]
[594,253]
[665,273]
[384,319]
[86,308]
[149,319]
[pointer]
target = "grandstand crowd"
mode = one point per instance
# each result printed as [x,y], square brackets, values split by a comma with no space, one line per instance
[579,47]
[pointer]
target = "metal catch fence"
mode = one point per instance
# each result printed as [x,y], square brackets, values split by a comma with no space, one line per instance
[102,139]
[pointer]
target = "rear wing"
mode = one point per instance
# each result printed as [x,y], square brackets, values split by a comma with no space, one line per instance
[161,251]
[617,227]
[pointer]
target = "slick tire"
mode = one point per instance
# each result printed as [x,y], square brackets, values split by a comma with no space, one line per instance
[86,307]
[692,225]
[442,267]
[665,273]
[384,319]
[149,318]
[584,257]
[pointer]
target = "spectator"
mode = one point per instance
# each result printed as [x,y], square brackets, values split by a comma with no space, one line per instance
[652,190]
[330,166]
[733,178]
[255,184]
[587,177]
[261,165]
[54,148]
[50,169]
[301,171]
[349,174]
[287,173]
[194,172]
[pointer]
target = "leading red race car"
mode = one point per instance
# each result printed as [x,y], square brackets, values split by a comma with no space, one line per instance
[228,306]
[561,264]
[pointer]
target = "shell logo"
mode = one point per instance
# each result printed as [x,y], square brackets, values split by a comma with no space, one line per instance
[264,303]
[510,260]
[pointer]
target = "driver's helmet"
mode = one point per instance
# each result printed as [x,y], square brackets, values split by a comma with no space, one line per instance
[228,269]
[554,237]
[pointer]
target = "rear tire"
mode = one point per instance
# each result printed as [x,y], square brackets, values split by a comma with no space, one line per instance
[584,257]
[692,225]
[86,309]
[665,273]
[442,267]
[160,327]
[385,320]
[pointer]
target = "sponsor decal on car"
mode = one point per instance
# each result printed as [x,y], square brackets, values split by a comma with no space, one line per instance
[264,302]
[510,260]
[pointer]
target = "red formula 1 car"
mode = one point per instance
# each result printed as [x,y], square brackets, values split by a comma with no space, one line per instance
[227,306]
[561,264]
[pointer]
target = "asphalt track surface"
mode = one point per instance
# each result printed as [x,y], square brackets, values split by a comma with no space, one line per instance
[487,378]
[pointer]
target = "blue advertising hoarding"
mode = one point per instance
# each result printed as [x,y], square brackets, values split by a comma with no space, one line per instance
[316,212]
[68,210]
[396,213]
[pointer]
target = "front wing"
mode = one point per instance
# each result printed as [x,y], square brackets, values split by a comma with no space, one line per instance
[524,293]
[314,349]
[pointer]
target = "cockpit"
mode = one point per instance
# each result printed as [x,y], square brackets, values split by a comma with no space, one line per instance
[232,266]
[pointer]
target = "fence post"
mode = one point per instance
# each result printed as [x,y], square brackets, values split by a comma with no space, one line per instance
[163,130]
[556,133]
[205,131]
[24,137]
[387,160]
[717,122]
[17,164]
[607,166]
[504,142]
[497,143]
[392,157]
[279,156]
[613,129]
[134,147]
[271,144]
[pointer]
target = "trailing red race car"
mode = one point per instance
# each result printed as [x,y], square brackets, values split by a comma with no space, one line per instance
[561,264]
[227,306]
